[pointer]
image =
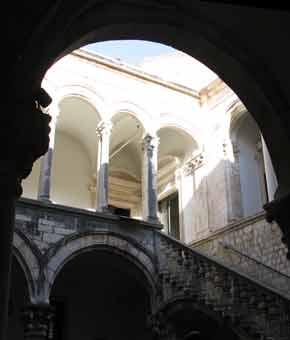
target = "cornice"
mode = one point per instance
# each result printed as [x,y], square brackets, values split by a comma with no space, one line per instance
[134,72]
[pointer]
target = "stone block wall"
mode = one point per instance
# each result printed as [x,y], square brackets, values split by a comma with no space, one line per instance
[252,246]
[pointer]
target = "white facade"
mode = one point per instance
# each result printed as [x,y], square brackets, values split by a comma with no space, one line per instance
[208,149]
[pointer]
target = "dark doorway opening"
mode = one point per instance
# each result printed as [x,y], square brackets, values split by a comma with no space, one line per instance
[169,215]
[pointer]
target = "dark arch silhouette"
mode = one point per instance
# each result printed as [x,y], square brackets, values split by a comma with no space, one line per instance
[187,29]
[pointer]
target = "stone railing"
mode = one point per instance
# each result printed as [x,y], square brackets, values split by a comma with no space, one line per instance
[252,246]
[47,223]
[258,270]
[254,309]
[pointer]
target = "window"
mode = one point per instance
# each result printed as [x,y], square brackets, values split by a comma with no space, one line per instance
[169,215]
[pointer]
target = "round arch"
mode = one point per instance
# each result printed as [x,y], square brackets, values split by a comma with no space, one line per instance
[180,126]
[237,112]
[134,110]
[86,94]
[28,257]
[74,245]
[186,27]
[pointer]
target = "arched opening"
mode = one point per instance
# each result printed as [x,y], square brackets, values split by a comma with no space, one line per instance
[112,303]
[175,191]
[125,165]
[75,154]
[249,158]
[187,28]
[19,298]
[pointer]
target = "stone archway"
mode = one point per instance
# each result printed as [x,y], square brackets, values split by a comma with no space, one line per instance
[104,278]
[74,245]
[28,257]
[186,28]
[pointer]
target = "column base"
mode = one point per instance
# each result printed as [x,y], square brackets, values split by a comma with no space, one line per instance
[45,199]
[279,211]
[153,220]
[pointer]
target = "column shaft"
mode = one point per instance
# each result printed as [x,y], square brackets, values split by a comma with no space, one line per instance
[149,185]
[44,184]
[6,238]
[103,132]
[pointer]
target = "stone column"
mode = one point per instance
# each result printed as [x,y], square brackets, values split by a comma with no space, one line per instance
[46,165]
[149,183]
[103,133]
[24,138]
[271,178]
[38,322]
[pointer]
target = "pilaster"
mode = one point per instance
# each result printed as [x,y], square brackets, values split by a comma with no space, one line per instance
[271,179]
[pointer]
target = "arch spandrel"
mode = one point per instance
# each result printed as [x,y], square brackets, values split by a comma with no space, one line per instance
[28,260]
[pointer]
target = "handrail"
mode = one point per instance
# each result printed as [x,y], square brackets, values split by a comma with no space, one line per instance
[228,246]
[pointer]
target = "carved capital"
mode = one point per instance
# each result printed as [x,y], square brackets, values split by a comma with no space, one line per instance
[279,211]
[38,322]
[150,143]
[104,128]
[194,164]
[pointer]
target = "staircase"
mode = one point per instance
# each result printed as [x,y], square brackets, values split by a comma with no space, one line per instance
[254,310]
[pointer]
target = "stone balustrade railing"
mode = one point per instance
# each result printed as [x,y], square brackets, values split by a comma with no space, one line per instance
[254,309]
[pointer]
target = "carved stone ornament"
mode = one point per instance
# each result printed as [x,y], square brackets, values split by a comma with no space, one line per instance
[103,128]
[150,143]
[194,164]
[38,322]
